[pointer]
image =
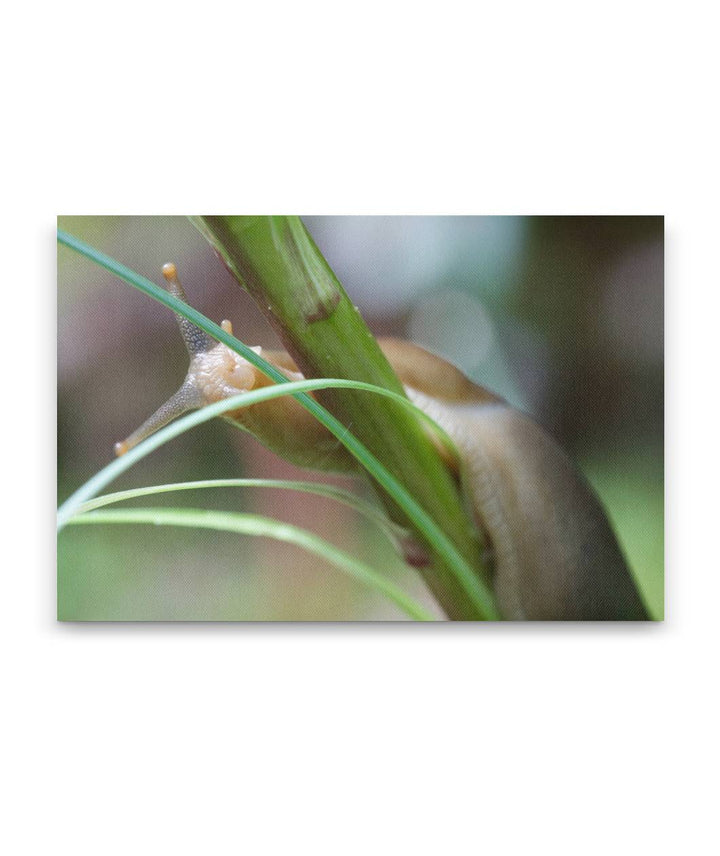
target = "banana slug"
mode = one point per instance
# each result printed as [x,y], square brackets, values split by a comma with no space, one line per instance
[554,554]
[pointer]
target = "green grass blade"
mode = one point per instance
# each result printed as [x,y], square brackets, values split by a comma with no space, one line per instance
[346,497]
[252,524]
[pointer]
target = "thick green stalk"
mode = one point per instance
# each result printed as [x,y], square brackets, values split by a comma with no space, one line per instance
[276,260]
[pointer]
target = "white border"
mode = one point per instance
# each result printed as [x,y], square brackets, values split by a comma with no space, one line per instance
[352,739]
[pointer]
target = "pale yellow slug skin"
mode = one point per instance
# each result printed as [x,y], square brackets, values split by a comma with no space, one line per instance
[554,553]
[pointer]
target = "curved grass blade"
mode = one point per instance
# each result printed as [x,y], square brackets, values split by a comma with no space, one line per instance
[393,531]
[253,524]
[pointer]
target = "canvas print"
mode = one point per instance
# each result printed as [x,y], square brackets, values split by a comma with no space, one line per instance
[360,418]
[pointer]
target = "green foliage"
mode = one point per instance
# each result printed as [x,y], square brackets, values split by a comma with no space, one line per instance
[476,591]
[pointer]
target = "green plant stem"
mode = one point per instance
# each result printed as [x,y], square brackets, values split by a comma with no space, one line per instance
[277,262]
[253,524]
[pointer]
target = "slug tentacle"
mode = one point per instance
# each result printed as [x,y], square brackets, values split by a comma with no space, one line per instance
[186,398]
[196,340]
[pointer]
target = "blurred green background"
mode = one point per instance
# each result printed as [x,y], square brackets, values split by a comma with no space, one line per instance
[562,316]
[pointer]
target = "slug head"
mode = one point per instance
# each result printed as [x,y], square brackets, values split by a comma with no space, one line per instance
[215,372]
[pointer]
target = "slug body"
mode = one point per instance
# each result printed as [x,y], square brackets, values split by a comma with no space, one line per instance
[554,554]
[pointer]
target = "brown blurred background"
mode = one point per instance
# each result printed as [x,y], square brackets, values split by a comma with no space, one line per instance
[562,316]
